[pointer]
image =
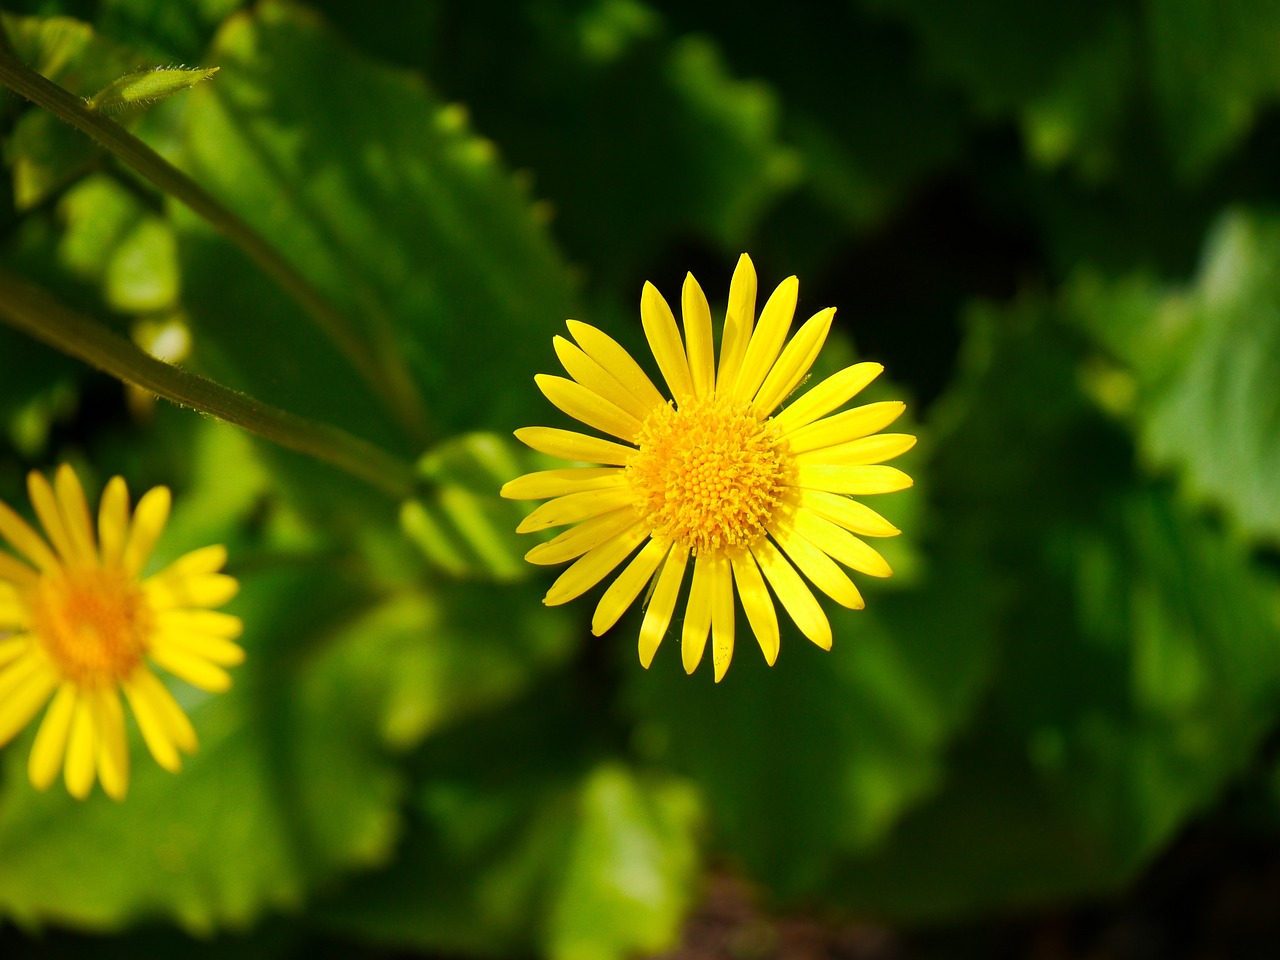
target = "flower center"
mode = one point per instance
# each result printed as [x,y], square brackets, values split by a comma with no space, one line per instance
[94,624]
[708,475]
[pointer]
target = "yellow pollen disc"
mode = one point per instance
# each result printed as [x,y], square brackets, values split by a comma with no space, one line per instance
[94,625]
[708,475]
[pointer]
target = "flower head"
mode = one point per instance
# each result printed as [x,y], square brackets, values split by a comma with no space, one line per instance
[79,624]
[717,475]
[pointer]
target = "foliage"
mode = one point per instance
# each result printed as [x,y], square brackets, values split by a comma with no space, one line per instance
[1055,225]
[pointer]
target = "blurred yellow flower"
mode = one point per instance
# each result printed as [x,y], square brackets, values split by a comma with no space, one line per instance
[79,624]
[721,475]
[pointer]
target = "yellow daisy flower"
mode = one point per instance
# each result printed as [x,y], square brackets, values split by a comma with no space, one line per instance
[721,475]
[78,624]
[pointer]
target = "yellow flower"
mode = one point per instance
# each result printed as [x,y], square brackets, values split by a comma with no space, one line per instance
[721,475]
[78,624]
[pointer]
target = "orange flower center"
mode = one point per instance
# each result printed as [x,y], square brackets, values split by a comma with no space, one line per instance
[709,475]
[94,624]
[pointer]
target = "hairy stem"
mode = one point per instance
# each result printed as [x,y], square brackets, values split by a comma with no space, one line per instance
[384,373]
[33,311]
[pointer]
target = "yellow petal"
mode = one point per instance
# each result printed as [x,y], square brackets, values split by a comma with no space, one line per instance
[148,523]
[211,623]
[794,364]
[612,356]
[51,739]
[599,380]
[112,754]
[75,515]
[195,670]
[25,540]
[13,570]
[831,393]
[208,559]
[576,507]
[766,340]
[738,321]
[594,565]
[821,570]
[113,521]
[562,482]
[664,340]
[203,590]
[205,646]
[81,749]
[845,426]
[853,516]
[45,503]
[856,453]
[697,334]
[25,687]
[161,720]
[588,407]
[578,540]
[858,481]
[697,616]
[797,599]
[841,544]
[574,446]
[12,647]
[722,616]
[757,603]
[628,584]
[662,604]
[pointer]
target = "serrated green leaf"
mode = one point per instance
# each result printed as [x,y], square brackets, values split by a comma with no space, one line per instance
[401,217]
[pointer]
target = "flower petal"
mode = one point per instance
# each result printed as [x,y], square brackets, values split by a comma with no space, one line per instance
[697,616]
[576,507]
[598,379]
[51,739]
[14,571]
[840,544]
[722,616]
[821,570]
[664,340]
[794,363]
[574,446]
[75,515]
[206,646]
[562,482]
[697,335]
[612,356]
[662,604]
[857,453]
[757,603]
[113,521]
[588,407]
[194,669]
[853,516]
[25,540]
[169,592]
[628,584]
[45,502]
[165,728]
[578,540]
[767,339]
[594,565]
[149,521]
[212,623]
[112,748]
[843,427]
[797,599]
[25,687]
[79,769]
[858,481]
[738,321]
[831,393]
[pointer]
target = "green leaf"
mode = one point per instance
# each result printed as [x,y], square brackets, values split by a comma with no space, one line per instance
[1203,363]
[399,215]
[460,523]
[148,86]
[631,864]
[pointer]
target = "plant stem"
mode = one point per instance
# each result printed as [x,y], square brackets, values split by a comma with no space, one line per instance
[385,374]
[33,311]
